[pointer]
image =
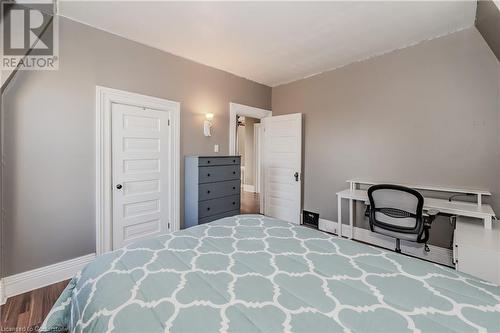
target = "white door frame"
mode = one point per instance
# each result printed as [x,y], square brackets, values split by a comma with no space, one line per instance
[104,205]
[236,110]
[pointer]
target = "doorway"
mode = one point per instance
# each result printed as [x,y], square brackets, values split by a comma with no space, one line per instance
[280,162]
[247,146]
[137,176]
[252,194]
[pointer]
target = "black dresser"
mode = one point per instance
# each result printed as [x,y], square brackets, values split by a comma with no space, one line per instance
[212,188]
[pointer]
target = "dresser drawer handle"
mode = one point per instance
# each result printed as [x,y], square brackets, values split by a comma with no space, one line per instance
[234,187]
[208,175]
[208,162]
[234,172]
[234,203]
[208,192]
[208,208]
[234,161]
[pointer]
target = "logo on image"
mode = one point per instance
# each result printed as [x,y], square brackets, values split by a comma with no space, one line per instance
[29,36]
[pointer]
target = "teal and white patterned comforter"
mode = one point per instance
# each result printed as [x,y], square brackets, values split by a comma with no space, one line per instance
[252,273]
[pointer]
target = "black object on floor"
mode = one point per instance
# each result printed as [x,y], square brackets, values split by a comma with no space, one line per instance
[310,219]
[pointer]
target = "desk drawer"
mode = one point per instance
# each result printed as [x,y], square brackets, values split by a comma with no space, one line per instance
[218,206]
[217,190]
[218,173]
[208,161]
[218,216]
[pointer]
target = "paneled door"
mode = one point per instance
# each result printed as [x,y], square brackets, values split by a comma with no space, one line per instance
[140,173]
[282,164]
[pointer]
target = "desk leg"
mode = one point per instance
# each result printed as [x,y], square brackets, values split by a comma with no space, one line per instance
[351,217]
[339,216]
[487,223]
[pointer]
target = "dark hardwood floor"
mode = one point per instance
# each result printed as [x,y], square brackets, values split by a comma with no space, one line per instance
[249,203]
[26,312]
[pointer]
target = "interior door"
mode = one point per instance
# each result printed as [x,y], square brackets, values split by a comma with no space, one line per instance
[140,154]
[257,155]
[282,165]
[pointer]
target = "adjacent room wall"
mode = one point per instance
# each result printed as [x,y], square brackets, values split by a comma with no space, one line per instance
[240,136]
[425,114]
[50,134]
[249,150]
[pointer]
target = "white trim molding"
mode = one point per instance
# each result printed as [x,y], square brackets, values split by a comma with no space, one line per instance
[437,254]
[104,99]
[236,110]
[40,277]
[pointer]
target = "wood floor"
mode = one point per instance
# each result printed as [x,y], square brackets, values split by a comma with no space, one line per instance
[249,203]
[26,312]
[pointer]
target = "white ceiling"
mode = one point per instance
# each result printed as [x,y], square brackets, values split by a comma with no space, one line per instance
[275,42]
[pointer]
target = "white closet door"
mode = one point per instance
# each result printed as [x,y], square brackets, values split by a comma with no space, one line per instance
[140,152]
[283,166]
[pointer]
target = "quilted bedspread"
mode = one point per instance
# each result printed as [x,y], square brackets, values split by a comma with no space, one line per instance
[251,273]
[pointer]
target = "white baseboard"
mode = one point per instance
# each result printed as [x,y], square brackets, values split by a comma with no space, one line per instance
[248,188]
[437,254]
[41,277]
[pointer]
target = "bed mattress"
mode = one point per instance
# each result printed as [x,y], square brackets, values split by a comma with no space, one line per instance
[250,273]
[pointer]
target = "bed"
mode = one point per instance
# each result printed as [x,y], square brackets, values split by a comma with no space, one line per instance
[250,273]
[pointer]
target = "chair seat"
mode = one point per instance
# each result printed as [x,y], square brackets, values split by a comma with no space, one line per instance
[399,235]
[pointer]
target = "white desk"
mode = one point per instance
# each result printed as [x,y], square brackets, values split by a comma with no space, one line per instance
[479,193]
[459,208]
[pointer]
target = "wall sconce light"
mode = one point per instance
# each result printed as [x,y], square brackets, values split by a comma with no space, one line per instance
[207,124]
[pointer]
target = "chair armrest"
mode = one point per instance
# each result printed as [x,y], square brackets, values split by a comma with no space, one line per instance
[429,217]
[432,212]
[367,211]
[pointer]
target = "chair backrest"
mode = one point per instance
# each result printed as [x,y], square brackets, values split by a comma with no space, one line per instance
[396,211]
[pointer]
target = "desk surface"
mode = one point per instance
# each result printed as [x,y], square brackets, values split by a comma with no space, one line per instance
[427,187]
[442,205]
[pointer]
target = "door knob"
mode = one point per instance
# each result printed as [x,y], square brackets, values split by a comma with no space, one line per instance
[296,175]
[119,186]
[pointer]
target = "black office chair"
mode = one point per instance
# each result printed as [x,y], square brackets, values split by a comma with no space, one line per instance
[397,211]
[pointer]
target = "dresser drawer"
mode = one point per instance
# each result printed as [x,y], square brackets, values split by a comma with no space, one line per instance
[216,190]
[218,206]
[218,216]
[208,161]
[218,173]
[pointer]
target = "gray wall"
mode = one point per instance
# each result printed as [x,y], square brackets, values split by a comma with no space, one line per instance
[424,114]
[249,150]
[50,134]
[240,136]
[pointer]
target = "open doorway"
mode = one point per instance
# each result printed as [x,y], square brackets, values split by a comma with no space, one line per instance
[252,195]
[247,146]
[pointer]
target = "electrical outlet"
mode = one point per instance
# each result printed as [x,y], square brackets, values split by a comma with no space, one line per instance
[216,148]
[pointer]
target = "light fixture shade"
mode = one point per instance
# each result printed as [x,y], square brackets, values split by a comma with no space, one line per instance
[207,124]
[207,128]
